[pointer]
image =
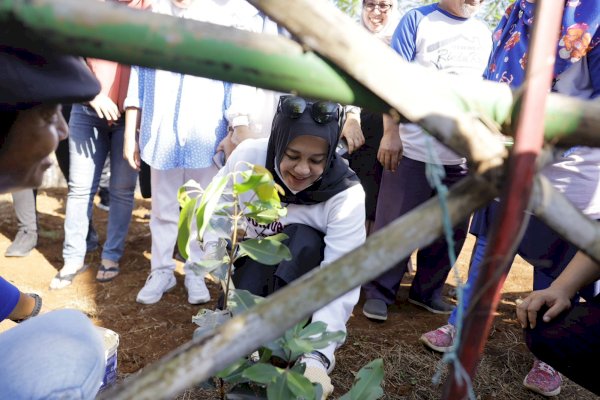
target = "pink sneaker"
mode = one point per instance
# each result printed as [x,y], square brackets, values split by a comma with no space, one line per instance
[441,339]
[543,379]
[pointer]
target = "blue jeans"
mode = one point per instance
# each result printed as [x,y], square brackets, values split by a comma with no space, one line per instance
[55,355]
[91,139]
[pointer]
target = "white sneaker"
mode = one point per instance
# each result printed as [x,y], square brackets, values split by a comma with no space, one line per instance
[197,290]
[158,283]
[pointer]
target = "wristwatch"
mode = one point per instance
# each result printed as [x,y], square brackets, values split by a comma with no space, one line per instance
[36,308]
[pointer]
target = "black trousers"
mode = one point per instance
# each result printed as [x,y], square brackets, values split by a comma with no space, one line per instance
[306,245]
[570,343]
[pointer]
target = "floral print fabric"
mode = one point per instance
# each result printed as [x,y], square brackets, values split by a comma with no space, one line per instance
[579,35]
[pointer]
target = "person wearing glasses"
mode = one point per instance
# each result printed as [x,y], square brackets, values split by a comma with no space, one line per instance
[445,37]
[325,210]
[363,130]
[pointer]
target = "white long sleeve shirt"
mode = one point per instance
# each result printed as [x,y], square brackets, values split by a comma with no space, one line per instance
[341,219]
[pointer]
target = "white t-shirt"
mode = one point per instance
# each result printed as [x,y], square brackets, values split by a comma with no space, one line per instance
[434,38]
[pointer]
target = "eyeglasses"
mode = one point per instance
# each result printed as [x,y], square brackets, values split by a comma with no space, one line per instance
[383,7]
[321,112]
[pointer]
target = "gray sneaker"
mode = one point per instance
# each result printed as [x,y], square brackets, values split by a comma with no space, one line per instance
[24,242]
[375,309]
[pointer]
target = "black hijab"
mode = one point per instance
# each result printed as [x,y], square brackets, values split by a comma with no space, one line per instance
[336,177]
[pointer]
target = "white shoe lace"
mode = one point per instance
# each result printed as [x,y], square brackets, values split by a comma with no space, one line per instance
[448,330]
[546,368]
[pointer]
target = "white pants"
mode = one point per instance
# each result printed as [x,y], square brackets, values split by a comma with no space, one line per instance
[164,216]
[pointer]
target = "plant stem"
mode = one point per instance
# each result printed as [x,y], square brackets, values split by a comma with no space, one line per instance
[232,252]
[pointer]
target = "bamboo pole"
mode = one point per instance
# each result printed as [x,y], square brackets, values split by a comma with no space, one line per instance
[559,214]
[111,31]
[422,95]
[197,361]
[506,231]
[141,38]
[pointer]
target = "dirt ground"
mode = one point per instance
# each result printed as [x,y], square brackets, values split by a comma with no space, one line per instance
[149,332]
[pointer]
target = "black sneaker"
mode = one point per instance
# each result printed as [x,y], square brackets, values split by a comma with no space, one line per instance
[437,306]
[24,242]
[104,203]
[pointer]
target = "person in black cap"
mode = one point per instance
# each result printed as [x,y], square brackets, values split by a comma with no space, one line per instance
[59,354]
[32,88]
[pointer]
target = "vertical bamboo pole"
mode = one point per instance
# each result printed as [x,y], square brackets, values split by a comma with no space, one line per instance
[507,229]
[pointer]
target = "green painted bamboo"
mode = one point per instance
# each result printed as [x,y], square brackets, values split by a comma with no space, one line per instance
[105,30]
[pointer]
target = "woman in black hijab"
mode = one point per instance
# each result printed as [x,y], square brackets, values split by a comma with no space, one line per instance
[325,203]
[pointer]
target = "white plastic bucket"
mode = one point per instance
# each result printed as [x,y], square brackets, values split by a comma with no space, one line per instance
[111,344]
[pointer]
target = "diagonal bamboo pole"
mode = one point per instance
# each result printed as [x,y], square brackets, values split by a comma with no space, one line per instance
[555,210]
[135,37]
[507,229]
[110,31]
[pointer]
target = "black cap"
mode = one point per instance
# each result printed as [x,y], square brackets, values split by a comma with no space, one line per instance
[29,78]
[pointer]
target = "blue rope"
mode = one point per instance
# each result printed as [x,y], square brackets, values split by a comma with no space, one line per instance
[435,173]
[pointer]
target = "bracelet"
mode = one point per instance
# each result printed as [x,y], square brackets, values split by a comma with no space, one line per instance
[36,308]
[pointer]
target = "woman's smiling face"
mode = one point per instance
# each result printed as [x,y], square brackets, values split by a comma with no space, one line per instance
[375,14]
[303,162]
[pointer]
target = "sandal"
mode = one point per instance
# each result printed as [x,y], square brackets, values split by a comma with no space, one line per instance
[103,270]
[61,281]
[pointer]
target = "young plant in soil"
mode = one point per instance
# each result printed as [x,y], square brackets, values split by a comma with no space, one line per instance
[273,368]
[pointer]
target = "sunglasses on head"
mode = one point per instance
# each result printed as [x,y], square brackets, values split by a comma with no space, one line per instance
[322,112]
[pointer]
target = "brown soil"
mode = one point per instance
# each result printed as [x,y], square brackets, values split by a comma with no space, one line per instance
[149,332]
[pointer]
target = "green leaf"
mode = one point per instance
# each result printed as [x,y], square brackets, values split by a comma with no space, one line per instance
[182,196]
[265,355]
[251,179]
[299,347]
[234,373]
[262,373]
[209,202]
[264,216]
[184,226]
[276,347]
[242,300]
[312,329]
[367,385]
[278,390]
[326,338]
[265,251]
[209,320]
[220,273]
[299,385]
[203,267]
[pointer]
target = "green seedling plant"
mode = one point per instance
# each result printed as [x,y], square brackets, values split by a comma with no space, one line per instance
[220,209]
